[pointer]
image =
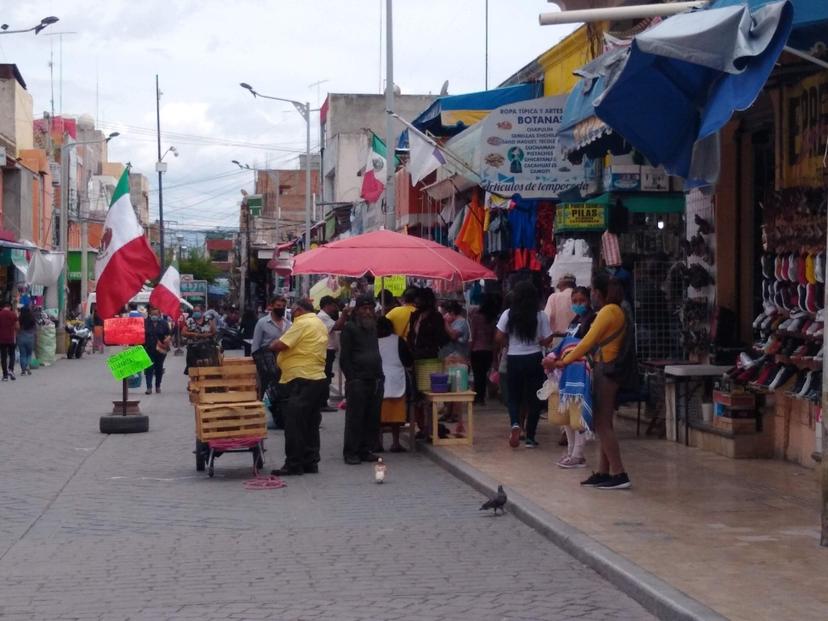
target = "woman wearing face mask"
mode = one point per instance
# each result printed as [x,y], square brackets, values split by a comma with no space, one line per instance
[156,344]
[197,330]
[584,315]
[603,341]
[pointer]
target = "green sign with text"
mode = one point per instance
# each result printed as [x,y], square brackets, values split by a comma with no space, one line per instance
[128,362]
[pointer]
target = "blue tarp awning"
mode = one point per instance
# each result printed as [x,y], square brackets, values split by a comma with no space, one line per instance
[451,114]
[581,130]
[681,81]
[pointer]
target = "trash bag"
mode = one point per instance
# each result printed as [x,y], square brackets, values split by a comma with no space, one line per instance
[45,351]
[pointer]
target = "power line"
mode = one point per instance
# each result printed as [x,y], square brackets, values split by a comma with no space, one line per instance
[184,138]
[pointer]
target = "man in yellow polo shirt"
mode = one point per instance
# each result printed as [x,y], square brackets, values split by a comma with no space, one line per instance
[302,349]
[401,316]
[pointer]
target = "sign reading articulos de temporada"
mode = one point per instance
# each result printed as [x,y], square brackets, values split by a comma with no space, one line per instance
[521,152]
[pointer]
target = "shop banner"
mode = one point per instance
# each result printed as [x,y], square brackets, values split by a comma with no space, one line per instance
[395,284]
[580,217]
[521,152]
[194,288]
[128,362]
[805,132]
[124,331]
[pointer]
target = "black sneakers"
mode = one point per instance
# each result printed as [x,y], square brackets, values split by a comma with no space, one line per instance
[616,481]
[596,479]
[602,480]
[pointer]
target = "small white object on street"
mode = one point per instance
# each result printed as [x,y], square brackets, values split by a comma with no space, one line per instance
[379,471]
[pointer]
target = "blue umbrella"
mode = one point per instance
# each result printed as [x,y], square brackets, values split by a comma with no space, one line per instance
[684,78]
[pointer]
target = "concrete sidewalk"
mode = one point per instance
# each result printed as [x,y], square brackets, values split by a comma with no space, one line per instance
[739,536]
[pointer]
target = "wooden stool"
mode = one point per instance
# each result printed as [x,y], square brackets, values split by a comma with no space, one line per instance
[438,398]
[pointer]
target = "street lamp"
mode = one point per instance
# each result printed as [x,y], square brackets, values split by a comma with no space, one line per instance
[64,226]
[46,21]
[303,109]
[160,168]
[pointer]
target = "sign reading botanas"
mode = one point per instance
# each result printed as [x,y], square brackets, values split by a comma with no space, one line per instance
[520,151]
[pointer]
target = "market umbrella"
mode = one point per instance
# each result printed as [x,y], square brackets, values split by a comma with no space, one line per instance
[385,253]
[682,80]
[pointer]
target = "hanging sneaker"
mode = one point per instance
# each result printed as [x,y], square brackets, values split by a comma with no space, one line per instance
[782,377]
[806,387]
[800,382]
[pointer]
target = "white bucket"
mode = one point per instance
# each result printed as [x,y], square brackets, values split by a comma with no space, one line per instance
[707,412]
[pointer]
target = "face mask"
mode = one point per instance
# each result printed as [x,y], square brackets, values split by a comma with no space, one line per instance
[155,317]
[278,312]
[197,315]
[334,315]
[579,309]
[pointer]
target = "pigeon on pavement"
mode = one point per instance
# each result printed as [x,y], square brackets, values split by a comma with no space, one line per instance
[498,502]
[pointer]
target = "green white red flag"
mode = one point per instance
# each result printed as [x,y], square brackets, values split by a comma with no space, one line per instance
[125,260]
[166,296]
[373,179]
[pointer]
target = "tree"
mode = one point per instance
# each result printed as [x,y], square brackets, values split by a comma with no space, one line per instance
[199,266]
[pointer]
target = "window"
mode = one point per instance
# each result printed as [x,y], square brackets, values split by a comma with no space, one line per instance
[219,256]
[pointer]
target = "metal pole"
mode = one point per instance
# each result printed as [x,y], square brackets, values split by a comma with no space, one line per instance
[63,243]
[160,174]
[487,47]
[390,214]
[84,286]
[244,260]
[306,279]
[823,466]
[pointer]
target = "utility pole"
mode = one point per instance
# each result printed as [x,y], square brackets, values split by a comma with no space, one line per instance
[390,214]
[160,167]
[486,54]
[244,259]
[84,281]
[308,172]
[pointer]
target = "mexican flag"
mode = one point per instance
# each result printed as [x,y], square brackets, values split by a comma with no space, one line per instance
[125,259]
[373,179]
[166,296]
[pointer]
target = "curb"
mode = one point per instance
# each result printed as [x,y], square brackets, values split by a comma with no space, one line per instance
[656,596]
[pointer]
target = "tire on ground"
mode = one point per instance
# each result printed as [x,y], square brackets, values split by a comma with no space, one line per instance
[132,423]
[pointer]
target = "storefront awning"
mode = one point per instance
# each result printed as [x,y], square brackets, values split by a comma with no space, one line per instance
[451,114]
[683,79]
[581,132]
[651,202]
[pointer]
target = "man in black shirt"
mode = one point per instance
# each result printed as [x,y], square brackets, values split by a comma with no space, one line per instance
[361,364]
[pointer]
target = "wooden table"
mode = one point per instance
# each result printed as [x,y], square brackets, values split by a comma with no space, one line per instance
[438,398]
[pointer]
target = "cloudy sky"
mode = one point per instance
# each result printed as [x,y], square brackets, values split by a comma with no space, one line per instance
[202,50]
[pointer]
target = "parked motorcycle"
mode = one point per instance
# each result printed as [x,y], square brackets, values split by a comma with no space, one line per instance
[232,338]
[78,338]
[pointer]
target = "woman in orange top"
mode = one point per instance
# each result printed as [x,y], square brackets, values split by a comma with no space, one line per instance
[603,341]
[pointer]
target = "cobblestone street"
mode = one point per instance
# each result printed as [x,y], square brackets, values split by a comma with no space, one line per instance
[122,527]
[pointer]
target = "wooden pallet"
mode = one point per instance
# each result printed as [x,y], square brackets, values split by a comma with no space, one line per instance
[226,370]
[230,420]
[226,384]
[233,362]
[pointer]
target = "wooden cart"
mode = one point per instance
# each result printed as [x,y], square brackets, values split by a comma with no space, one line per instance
[228,416]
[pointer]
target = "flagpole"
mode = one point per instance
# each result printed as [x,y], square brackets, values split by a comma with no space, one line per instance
[159,167]
[390,214]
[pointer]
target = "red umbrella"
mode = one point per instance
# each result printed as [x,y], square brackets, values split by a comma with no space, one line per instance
[385,253]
